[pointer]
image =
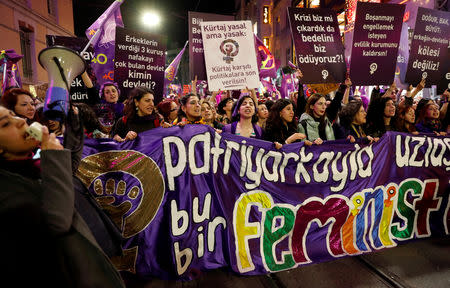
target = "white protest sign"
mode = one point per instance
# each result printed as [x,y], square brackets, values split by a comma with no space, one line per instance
[230,56]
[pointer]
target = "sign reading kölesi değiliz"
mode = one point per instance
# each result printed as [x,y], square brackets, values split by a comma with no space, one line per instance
[375,44]
[196,55]
[140,61]
[318,45]
[230,55]
[429,55]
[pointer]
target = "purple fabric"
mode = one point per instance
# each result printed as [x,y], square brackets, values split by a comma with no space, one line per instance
[189,199]
[104,42]
[10,69]
[172,69]
[265,59]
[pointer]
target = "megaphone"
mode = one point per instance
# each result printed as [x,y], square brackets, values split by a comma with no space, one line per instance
[62,65]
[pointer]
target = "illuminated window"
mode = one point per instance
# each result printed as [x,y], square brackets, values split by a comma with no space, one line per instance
[266,14]
[266,42]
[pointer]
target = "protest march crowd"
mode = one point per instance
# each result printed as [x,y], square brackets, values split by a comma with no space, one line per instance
[72,223]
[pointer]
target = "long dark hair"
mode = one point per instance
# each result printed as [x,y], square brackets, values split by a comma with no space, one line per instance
[375,114]
[136,94]
[348,112]
[183,102]
[274,120]
[237,105]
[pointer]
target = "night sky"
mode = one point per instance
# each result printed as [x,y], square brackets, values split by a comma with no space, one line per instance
[173,13]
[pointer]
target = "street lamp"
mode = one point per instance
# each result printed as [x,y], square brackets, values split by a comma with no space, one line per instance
[151,19]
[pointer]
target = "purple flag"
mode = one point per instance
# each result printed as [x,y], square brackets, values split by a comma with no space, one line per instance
[266,61]
[287,85]
[172,69]
[104,30]
[10,69]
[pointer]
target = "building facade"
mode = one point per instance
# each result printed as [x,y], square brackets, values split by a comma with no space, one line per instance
[24,25]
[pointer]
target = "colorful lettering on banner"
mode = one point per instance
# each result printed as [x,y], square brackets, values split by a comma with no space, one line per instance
[196,200]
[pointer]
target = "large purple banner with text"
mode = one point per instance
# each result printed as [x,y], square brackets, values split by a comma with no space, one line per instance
[429,55]
[140,61]
[375,43]
[318,45]
[189,199]
[196,55]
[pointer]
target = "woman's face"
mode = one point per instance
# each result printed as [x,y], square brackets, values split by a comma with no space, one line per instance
[192,109]
[360,116]
[228,106]
[410,116]
[25,106]
[319,107]
[111,94]
[14,142]
[389,109]
[173,111]
[145,105]
[432,112]
[287,114]
[263,113]
[207,113]
[247,108]
[53,125]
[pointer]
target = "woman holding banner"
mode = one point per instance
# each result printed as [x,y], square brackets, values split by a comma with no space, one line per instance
[189,111]
[244,116]
[281,126]
[314,123]
[140,115]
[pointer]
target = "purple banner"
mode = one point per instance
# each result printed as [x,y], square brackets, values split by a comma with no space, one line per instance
[429,53]
[375,44]
[196,55]
[78,92]
[103,32]
[318,45]
[189,199]
[140,61]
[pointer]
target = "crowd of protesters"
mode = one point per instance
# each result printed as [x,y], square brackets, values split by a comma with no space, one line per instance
[78,227]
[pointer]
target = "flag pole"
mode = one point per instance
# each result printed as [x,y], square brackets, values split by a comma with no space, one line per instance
[90,41]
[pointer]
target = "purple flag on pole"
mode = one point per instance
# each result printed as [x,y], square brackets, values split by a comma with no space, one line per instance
[10,69]
[104,31]
[266,61]
[287,85]
[172,69]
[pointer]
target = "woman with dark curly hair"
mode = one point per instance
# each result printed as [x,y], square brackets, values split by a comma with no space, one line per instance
[189,111]
[139,115]
[352,119]
[21,102]
[281,126]
[225,110]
